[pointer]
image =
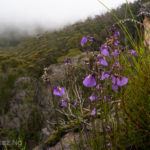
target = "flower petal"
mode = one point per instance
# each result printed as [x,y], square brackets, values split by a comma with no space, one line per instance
[133,52]
[104,75]
[92,97]
[117,34]
[115,53]
[103,62]
[115,87]
[84,39]
[122,82]
[104,50]
[75,104]
[89,81]
[64,103]
[93,112]
[59,91]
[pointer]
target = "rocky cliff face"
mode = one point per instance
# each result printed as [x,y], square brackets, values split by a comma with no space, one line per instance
[30,108]
[147,31]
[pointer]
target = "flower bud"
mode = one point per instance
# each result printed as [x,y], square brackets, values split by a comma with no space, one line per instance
[99,56]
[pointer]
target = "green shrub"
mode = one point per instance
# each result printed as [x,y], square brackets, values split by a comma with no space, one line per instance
[136,105]
[72,53]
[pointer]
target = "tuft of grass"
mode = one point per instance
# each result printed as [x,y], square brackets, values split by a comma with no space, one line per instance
[136,105]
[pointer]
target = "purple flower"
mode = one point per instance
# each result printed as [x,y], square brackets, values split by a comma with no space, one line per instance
[103,61]
[90,38]
[97,87]
[104,75]
[105,98]
[115,53]
[121,81]
[89,81]
[104,50]
[118,81]
[117,34]
[108,144]
[75,104]
[108,128]
[64,103]
[114,81]
[93,112]
[84,40]
[67,61]
[92,97]
[133,52]
[58,91]
[115,87]
[116,42]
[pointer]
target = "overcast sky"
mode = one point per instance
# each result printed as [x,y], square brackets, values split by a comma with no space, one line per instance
[27,14]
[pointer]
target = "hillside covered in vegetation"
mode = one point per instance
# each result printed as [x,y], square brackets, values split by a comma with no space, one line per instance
[33,54]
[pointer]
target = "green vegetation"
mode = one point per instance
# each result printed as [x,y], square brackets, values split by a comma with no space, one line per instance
[72,53]
[135,103]
[7,83]
[126,112]
[35,53]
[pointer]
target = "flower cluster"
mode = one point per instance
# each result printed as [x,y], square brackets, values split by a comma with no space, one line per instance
[87,38]
[106,73]
[107,67]
[110,49]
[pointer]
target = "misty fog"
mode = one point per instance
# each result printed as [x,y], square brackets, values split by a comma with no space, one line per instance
[30,17]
